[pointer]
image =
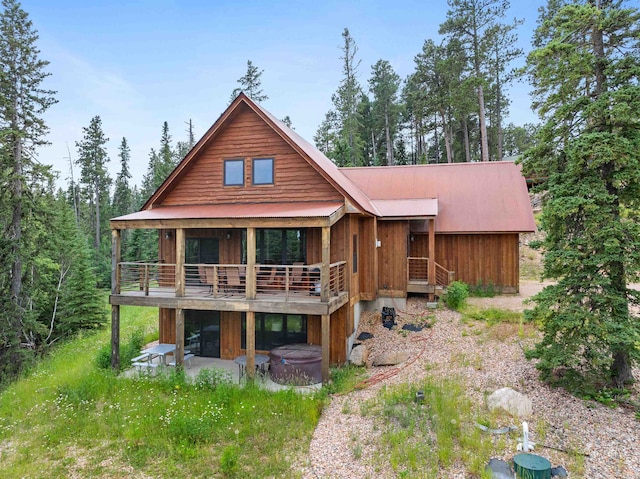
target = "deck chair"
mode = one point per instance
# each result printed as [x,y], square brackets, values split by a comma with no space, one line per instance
[297,273]
[208,274]
[233,280]
[266,279]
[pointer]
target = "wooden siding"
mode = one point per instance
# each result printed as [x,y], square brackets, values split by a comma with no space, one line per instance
[392,258]
[366,258]
[247,137]
[230,334]
[167,325]
[338,346]
[476,259]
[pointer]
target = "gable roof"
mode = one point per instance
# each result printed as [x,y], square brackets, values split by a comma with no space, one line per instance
[318,161]
[471,197]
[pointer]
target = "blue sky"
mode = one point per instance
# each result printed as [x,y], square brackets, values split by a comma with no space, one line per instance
[139,63]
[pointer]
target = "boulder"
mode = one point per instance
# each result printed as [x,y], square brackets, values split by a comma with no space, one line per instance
[511,401]
[359,355]
[390,359]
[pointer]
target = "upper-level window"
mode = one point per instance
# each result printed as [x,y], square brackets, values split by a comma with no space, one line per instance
[233,172]
[262,171]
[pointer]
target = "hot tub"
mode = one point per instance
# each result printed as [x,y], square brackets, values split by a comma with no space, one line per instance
[299,364]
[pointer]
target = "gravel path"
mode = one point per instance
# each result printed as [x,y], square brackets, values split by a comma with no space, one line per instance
[487,358]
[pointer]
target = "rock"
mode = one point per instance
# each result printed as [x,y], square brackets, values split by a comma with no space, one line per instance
[391,359]
[511,401]
[364,335]
[499,469]
[359,355]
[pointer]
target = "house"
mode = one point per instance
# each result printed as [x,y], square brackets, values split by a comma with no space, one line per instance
[263,241]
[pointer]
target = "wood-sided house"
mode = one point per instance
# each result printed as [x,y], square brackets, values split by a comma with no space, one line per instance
[263,241]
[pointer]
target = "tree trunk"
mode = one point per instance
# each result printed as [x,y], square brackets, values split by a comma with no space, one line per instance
[498,119]
[465,133]
[484,143]
[16,224]
[387,131]
[373,147]
[97,238]
[447,139]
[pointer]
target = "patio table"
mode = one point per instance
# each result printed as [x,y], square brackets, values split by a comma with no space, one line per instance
[261,361]
[161,350]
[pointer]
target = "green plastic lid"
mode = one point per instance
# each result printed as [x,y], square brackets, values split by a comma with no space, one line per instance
[531,466]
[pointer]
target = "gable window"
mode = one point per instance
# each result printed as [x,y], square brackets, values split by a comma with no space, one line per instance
[233,172]
[262,171]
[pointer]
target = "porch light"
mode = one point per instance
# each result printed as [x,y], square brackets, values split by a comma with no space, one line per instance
[168,235]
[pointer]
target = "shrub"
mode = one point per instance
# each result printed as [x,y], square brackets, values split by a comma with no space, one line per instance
[211,379]
[128,350]
[457,294]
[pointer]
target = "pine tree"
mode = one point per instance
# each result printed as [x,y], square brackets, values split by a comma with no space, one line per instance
[122,196]
[250,84]
[586,74]
[384,84]
[93,159]
[23,101]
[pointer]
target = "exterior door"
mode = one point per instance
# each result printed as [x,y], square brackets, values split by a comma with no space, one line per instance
[202,333]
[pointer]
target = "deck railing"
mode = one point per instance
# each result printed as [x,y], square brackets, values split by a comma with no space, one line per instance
[418,270]
[141,276]
[229,280]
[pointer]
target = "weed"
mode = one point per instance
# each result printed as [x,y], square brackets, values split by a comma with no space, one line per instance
[229,461]
[456,295]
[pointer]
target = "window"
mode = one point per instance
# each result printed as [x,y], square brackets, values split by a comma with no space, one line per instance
[273,330]
[275,246]
[233,172]
[262,171]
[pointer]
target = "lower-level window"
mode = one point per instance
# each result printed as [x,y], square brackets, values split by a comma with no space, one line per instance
[274,329]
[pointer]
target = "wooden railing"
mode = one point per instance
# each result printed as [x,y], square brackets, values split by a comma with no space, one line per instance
[418,270]
[229,280]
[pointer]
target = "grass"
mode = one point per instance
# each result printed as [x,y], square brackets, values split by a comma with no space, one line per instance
[424,438]
[68,417]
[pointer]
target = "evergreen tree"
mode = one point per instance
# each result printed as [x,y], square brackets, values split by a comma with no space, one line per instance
[473,23]
[23,101]
[93,159]
[250,84]
[122,195]
[586,74]
[384,84]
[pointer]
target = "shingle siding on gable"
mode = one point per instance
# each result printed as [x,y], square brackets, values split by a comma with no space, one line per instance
[247,136]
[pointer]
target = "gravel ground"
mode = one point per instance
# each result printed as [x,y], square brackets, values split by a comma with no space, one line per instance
[487,358]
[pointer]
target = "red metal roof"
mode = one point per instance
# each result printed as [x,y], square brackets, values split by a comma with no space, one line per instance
[236,210]
[472,197]
[405,208]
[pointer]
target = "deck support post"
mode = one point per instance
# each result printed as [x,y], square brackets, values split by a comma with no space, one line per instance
[326,350]
[179,354]
[115,289]
[325,269]
[431,274]
[180,248]
[251,343]
[250,282]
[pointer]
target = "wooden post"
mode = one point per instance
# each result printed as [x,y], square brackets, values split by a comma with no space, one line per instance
[180,247]
[326,263]
[146,279]
[431,274]
[251,344]
[179,354]
[115,289]
[250,282]
[326,349]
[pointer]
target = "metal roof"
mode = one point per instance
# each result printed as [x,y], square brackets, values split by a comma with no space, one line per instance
[472,197]
[236,210]
[407,208]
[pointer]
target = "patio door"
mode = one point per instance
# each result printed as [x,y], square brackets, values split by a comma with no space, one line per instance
[200,251]
[202,333]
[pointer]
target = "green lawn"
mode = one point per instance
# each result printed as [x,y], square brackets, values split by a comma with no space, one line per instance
[69,418]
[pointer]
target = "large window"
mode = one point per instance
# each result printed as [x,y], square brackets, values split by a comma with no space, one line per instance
[273,330]
[276,246]
[262,171]
[197,252]
[233,172]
